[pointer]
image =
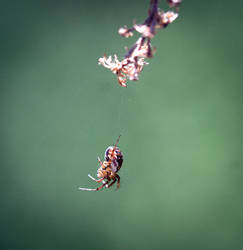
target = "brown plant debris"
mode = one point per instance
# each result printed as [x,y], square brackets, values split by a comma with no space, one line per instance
[133,62]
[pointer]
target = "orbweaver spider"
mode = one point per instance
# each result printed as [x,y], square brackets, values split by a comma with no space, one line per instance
[108,168]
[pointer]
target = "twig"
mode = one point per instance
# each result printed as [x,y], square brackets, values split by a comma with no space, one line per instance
[134,60]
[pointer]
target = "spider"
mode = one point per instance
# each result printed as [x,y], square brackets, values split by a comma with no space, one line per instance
[107,173]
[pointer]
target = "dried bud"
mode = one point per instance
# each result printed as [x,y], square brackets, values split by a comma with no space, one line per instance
[142,49]
[174,3]
[144,30]
[128,68]
[170,16]
[166,18]
[124,31]
[122,80]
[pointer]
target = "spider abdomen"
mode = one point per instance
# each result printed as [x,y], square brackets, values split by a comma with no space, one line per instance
[115,157]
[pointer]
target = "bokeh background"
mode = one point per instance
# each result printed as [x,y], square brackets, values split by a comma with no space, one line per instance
[181,128]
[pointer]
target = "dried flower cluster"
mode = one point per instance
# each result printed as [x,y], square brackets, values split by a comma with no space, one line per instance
[134,60]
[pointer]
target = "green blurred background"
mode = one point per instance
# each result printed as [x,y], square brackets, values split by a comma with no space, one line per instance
[181,127]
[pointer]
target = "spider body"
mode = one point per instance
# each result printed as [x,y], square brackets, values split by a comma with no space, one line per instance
[107,172]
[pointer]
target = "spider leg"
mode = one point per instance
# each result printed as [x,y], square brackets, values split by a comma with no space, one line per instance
[118,181]
[101,163]
[99,188]
[109,185]
[87,189]
[117,140]
[94,189]
[92,178]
